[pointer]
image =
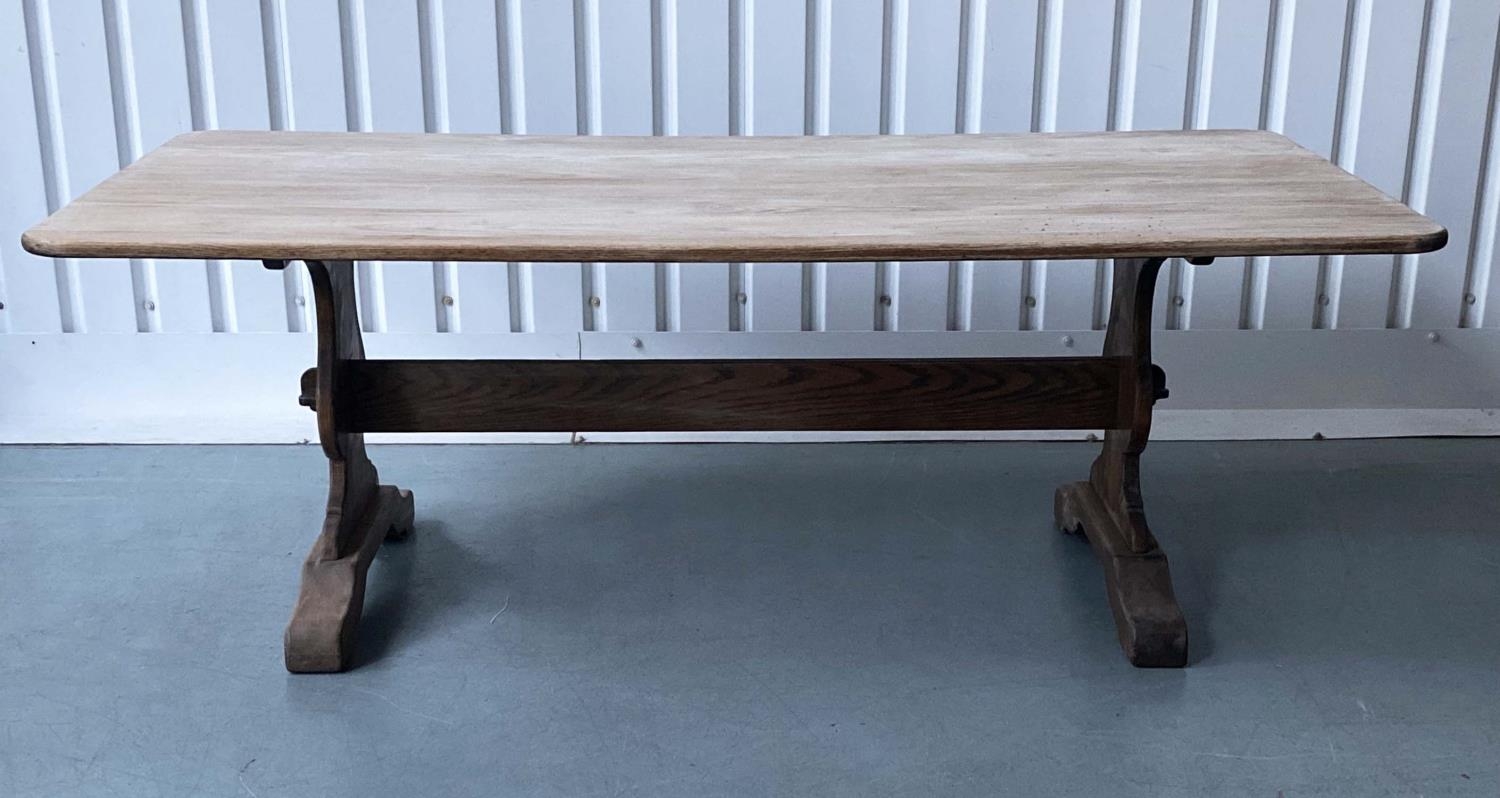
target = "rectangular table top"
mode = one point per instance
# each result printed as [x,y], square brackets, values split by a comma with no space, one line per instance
[376,196]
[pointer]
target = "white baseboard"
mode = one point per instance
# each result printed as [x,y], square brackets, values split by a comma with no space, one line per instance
[205,388]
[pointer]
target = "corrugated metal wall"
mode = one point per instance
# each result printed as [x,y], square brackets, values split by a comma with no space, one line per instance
[1399,91]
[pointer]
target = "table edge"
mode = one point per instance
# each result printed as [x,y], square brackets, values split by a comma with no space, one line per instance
[36,241]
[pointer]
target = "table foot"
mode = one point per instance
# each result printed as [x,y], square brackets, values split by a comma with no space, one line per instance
[1151,628]
[321,635]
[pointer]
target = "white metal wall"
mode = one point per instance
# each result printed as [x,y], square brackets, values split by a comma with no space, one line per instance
[1402,92]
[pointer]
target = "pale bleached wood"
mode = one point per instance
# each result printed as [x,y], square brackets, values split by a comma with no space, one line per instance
[368,196]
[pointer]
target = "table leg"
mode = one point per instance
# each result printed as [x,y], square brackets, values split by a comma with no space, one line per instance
[361,512]
[1108,510]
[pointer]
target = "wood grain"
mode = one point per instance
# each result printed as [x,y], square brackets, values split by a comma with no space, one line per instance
[643,395]
[344,196]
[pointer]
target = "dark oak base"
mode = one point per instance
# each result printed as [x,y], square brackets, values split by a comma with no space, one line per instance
[321,635]
[1139,586]
[352,396]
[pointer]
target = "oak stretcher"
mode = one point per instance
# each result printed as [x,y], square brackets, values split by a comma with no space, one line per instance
[328,199]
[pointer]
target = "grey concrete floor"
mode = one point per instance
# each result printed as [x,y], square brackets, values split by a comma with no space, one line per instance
[819,620]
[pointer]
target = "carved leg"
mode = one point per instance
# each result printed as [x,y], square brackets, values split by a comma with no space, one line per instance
[1107,509]
[361,512]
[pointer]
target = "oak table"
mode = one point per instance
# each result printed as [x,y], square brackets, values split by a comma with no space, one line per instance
[329,199]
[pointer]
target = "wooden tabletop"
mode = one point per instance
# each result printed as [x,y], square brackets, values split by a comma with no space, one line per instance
[372,196]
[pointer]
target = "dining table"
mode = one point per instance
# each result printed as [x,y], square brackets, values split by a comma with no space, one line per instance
[1136,199]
